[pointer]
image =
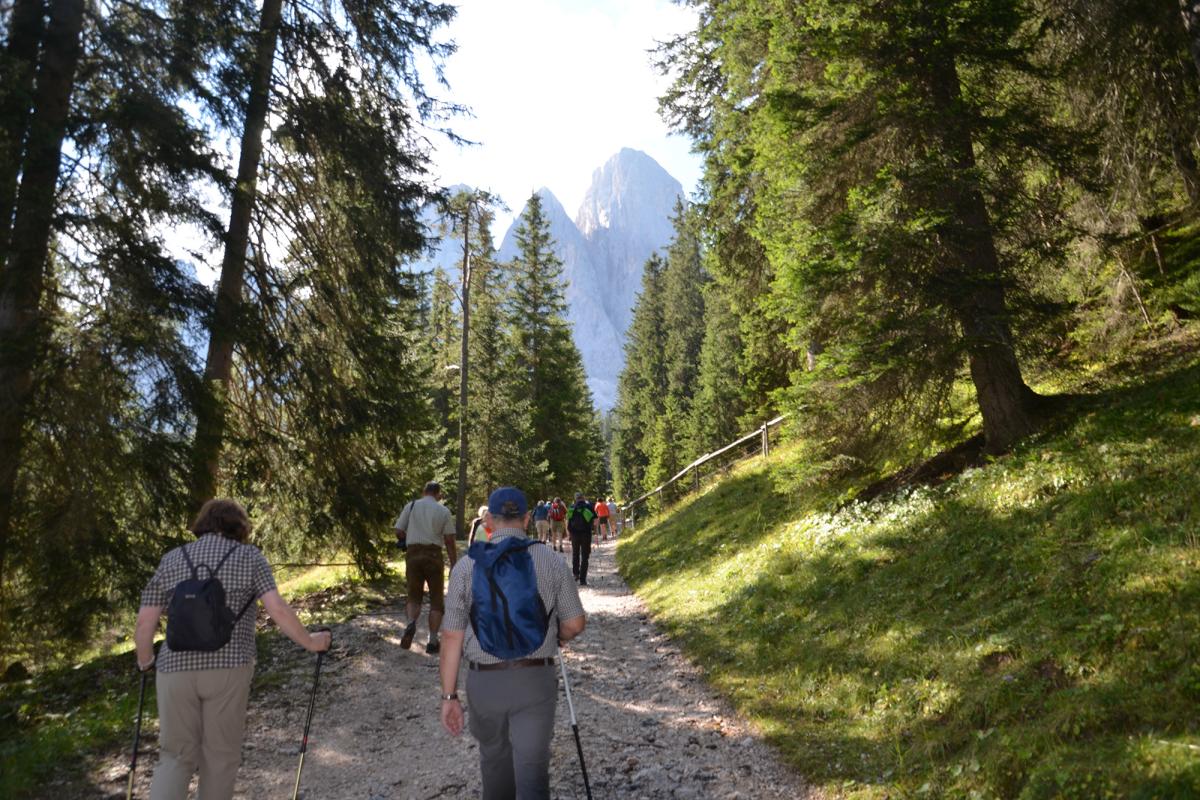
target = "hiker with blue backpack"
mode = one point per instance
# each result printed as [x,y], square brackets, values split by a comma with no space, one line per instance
[509,605]
[205,667]
[580,520]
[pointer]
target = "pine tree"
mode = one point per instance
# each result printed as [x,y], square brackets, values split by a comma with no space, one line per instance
[500,418]
[893,202]
[444,332]
[560,442]
[1128,72]
[640,388]
[683,325]
[717,407]
[331,50]
[26,240]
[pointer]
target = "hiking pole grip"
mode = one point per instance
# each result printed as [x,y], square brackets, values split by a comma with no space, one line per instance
[587,787]
[137,735]
[312,702]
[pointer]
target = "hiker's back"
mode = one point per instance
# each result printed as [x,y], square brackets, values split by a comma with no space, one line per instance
[244,575]
[508,610]
[580,518]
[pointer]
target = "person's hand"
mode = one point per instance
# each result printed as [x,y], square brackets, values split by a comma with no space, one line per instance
[146,667]
[452,717]
[320,641]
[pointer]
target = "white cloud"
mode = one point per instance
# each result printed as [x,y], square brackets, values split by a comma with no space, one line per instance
[557,87]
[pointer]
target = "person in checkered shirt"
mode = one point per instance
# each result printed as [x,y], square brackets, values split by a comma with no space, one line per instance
[512,702]
[202,695]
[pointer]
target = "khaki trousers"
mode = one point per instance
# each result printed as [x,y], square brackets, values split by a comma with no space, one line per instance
[201,720]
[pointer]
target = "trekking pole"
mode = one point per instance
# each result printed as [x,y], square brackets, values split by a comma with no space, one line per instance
[574,725]
[312,702]
[137,735]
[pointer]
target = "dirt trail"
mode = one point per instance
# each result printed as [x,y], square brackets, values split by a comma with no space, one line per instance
[650,727]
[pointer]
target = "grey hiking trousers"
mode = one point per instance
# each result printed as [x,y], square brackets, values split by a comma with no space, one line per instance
[511,713]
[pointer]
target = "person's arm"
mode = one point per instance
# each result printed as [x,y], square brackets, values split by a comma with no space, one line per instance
[449,531]
[290,624]
[568,629]
[452,710]
[401,526]
[143,635]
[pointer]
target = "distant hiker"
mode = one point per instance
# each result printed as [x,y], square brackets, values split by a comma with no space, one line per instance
[558,522]
[477,525]
[614,516]
[603,523]
[541,520]
[426,526]
[580,519]
[205,666]
[511,678]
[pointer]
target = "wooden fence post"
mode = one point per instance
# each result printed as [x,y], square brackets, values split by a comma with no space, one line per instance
[766,441]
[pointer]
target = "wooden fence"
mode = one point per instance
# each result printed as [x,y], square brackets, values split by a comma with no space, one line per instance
[762,435]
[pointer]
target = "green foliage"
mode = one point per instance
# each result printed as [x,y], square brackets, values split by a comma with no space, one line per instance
[639,390]
[549,367]
[330,415]
[1024,630]
[890,153]
[717,405]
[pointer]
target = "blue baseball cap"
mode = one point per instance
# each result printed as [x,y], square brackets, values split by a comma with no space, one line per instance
[508,501]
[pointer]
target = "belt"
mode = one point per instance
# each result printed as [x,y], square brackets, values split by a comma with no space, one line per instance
[520,662]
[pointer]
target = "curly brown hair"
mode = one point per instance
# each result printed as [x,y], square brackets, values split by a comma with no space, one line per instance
[226,517]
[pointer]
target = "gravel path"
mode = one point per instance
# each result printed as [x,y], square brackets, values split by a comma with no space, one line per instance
[650,727]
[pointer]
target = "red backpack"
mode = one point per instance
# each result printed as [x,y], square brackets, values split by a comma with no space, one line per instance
[558,512]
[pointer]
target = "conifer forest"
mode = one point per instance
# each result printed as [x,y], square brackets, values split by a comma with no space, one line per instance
[930,232]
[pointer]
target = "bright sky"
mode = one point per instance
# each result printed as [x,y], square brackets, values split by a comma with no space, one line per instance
[557,87]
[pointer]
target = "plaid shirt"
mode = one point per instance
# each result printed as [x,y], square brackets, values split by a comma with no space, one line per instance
[555,585]
[245,574]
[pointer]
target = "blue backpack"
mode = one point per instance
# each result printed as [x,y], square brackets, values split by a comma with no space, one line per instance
[507,613]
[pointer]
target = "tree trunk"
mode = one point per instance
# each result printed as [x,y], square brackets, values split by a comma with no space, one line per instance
[1168,85]
[974,278]
[211,410]
[1190,9]
[23,276]
[464,358]
[24,38]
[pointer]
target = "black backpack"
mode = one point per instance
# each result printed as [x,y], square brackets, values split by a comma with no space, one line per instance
[197,617]
[579,519]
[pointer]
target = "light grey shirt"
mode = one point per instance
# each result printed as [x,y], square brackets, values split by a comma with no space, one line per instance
[426,521]
[555,585]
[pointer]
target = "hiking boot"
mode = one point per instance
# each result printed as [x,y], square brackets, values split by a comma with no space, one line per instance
[434,646]
[409,633]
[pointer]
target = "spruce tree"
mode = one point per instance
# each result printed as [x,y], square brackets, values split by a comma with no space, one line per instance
[894,203]
[683,325]
[640,388]
[717,407]
[444,332]
[560,443]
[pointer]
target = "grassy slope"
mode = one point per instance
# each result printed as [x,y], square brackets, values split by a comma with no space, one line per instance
[1029,629]
[51,725]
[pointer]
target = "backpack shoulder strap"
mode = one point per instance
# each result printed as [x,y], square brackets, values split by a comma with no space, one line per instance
[188,560]
[225,558]
[246,607]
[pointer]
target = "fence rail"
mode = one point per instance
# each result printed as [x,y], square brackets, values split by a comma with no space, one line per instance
[763,434]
